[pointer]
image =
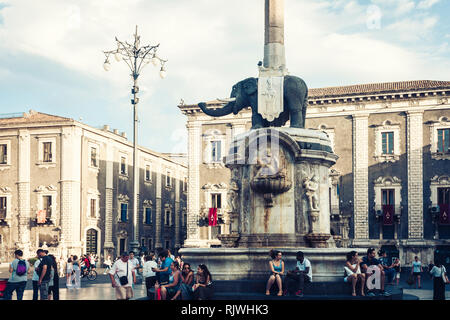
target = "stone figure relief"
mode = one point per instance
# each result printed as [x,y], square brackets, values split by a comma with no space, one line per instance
[270,165]
[232,197]
[311,185]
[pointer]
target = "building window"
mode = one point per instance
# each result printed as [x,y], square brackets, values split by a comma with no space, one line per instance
[93,208]
[150,243]
[3,154]
[168,217]
[123,212]
[216,151]
[123,165]
[167,244]
[216,200]
[184,218]
[168,179]
[143,242]
[94,157]
[443,136]
[47,206]
[3,208]
[148,216]
[387,197]
[47,152]
[148,176]
[387,141]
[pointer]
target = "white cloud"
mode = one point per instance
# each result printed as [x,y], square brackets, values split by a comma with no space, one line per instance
[426,4]
[213,44]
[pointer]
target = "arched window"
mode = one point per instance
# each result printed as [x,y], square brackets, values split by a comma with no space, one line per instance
[91,241]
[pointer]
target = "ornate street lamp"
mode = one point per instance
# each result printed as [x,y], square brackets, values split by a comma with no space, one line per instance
[136,57]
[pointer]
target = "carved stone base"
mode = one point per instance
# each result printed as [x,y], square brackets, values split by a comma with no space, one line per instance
[271,240]
[229,240]
[318,240]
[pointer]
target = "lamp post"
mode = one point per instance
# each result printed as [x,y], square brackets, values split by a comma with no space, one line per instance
[136,57]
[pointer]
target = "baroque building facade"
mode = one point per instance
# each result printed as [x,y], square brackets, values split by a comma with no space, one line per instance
[390,186]
[68,186]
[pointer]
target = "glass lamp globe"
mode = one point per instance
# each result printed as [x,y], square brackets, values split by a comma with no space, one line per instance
[154,61]
[162,73]
[107,66]
[117,57]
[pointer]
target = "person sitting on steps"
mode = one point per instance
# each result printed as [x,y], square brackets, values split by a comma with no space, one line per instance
[353,272]
[277,271]
[368,261]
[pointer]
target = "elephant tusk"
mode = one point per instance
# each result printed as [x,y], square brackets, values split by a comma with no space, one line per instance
[226,100]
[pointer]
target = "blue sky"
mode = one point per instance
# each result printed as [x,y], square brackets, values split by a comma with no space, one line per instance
[51,56]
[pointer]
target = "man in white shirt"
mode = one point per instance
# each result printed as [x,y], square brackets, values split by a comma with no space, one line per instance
[301,274]
[149,274]
[122,277]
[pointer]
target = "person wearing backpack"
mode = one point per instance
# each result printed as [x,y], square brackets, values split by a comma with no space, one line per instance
[18,280]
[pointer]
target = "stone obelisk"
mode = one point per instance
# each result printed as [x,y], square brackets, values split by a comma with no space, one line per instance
[273,70]
[274,57]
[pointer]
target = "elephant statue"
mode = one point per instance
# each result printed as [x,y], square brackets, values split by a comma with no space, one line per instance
[245,94]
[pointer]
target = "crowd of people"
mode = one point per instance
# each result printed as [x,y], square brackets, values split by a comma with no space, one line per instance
[356,272]
[168,276]
[45,273]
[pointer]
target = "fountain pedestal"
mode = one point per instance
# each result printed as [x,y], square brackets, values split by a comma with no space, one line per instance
[278,199]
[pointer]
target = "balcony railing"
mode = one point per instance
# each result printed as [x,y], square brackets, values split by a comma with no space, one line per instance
[395,210]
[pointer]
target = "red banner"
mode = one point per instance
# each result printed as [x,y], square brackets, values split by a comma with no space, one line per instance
[444,214]
[41,216]
[212,217]
[388,215]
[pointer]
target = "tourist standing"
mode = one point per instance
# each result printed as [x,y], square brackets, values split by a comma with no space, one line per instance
[440,279]
[53,289]
[35,279]
[45,268]
[122,276]
[19,269]
[353,272]
[276,272]
[203,287]
[416,271]
[61,267]
[148,273]
[76,275]
[107,264]
[69,273]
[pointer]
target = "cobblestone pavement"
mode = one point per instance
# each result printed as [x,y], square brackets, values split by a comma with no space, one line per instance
[101,289]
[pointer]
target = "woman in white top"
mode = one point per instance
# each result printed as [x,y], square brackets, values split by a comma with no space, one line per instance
[438,273]
[107,264]
[69,271]
[353,272]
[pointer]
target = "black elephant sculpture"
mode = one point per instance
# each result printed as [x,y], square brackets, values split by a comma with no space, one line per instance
[245,94]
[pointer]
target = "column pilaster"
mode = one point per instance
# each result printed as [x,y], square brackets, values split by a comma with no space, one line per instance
[415,173]
[361,176]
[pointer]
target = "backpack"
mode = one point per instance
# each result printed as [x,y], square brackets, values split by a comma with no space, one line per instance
[21,268]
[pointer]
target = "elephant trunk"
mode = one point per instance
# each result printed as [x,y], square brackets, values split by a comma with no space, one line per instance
[227,109]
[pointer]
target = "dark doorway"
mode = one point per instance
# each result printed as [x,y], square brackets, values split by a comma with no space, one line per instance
[91,241]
